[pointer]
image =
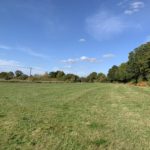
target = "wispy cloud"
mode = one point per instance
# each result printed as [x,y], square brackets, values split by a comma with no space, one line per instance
[123,2]
[108,55]
[28,51]
[82,40]
[81,59]
[70,61]
[88,59]
[134,7]
[32,52]
[104,25]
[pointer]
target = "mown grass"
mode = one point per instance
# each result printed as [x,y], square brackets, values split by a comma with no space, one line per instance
[74,117]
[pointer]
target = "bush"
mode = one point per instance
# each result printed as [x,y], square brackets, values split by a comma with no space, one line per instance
[148,77]
[23,77]
[133,81]
[140,79]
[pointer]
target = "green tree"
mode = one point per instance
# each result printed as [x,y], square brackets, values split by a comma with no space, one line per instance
[53,74]
[123,74]
[71,78]
[113,74]
[3,75]
[10,75]
[18,73]
[139,62]
[92,77]
[101,77]
[23,77]
[60,75]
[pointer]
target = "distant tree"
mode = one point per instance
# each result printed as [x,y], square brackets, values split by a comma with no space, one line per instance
[7,75]
[60,75]
[45,76]
[101,77]
[10,75]
[113,74]
[71,78]
[23,77]
[18,73]
[122,74]
[83,79]
[53,74]
[3,75]
[92,77]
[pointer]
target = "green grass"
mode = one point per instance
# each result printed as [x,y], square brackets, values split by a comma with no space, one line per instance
[74,117]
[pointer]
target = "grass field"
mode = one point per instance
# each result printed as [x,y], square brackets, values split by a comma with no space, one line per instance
[74,117]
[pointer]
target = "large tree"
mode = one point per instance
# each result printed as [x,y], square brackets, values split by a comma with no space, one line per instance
[123,74]
[139,62]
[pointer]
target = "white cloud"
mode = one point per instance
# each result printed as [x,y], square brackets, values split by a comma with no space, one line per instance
[70,61]
[104,25]
[88,59]
[128,12]
[134,7]
[82,40]
[123,2]
[81,59]
[137,5]
[108,55]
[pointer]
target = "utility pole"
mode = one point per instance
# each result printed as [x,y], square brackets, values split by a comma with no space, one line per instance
[30,71]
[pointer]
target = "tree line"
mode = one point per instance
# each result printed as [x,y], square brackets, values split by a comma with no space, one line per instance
[54,76]
[11,75]
[135,70]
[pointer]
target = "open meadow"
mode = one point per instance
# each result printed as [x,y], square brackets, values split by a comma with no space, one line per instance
[74,116]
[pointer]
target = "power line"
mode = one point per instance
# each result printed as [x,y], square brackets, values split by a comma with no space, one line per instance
[13,66]
[17,67]
[30,71]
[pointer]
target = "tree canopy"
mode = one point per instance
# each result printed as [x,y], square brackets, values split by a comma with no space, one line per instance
[137,68]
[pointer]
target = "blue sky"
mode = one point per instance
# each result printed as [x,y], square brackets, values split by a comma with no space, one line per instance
[77,36]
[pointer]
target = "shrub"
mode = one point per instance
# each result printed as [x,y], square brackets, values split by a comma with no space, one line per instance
[23,77]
